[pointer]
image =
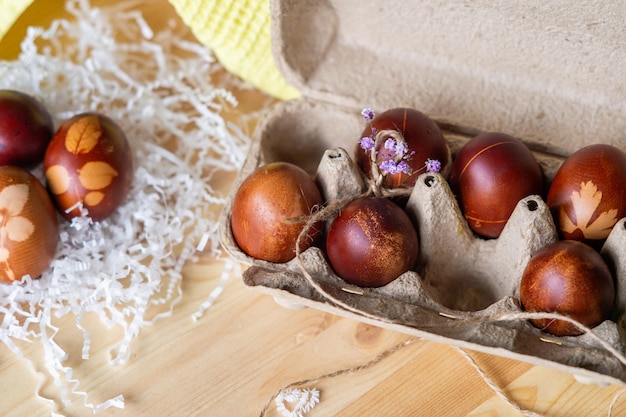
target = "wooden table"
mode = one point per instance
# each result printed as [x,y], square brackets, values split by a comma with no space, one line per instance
[246,347]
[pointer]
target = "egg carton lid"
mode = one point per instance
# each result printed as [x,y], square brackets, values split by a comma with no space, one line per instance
[548,72]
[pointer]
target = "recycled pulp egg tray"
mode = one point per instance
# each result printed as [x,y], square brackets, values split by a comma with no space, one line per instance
[464,292]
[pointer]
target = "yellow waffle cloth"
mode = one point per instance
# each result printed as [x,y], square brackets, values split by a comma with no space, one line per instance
[238,33]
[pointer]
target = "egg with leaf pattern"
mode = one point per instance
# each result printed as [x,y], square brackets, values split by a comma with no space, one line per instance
[88,165]
[28,225]
[588,194]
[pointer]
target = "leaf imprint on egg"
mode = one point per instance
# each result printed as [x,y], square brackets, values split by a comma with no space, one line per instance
[58,179]
[83,135]
[96,175]
[19,228]
[13,199]
[601,226]
[93,198]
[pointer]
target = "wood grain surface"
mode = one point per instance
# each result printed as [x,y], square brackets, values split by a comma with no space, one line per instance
[246,348]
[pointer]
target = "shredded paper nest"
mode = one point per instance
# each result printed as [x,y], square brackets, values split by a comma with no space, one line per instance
[127,268]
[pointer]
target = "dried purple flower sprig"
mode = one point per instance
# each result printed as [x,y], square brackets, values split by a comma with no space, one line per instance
[432,165]
[394,142]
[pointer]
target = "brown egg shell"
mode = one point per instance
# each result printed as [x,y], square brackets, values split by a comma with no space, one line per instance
[588,194]
[569,278]
[372,242]
[489,175]
[89,160]
[264,208]
[28,229]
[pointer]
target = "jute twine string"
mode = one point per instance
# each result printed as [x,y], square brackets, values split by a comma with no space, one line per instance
[499,392]
[494,387]
[614,401]
[340,372]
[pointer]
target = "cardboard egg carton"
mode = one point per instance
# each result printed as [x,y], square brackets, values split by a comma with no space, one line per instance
[464,291]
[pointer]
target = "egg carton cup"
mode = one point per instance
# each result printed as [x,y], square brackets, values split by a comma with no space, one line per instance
[464,291]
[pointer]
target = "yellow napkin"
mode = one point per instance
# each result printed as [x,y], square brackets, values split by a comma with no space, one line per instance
[238,33]
[11,10]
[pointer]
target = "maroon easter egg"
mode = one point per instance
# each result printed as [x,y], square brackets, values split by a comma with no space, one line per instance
[371,242]
[489,176]
[25,129]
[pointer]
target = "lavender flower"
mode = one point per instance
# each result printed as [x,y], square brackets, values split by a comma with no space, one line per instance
[368,114]
[389,166]
[367,143]
[392,168]
[404,167]
[432,165]
[401,148]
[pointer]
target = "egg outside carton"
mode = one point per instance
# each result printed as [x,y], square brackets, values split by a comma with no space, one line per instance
[464,291]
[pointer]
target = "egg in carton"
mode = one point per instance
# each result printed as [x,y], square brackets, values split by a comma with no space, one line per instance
[464,291]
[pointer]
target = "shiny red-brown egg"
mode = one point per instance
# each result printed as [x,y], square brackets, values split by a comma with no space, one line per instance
[569,278]
[89,163]
[588,194]
[489,176]
[371,242]
[423,138]
[270,209]
[25,129]
[28,225]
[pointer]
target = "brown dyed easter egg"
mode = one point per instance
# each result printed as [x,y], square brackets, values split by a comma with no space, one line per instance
[25,129]
[588,194]
[28,225]
[570,278]
[269,211]
[89,161]
[371,242]
[423,138]
[489,176]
